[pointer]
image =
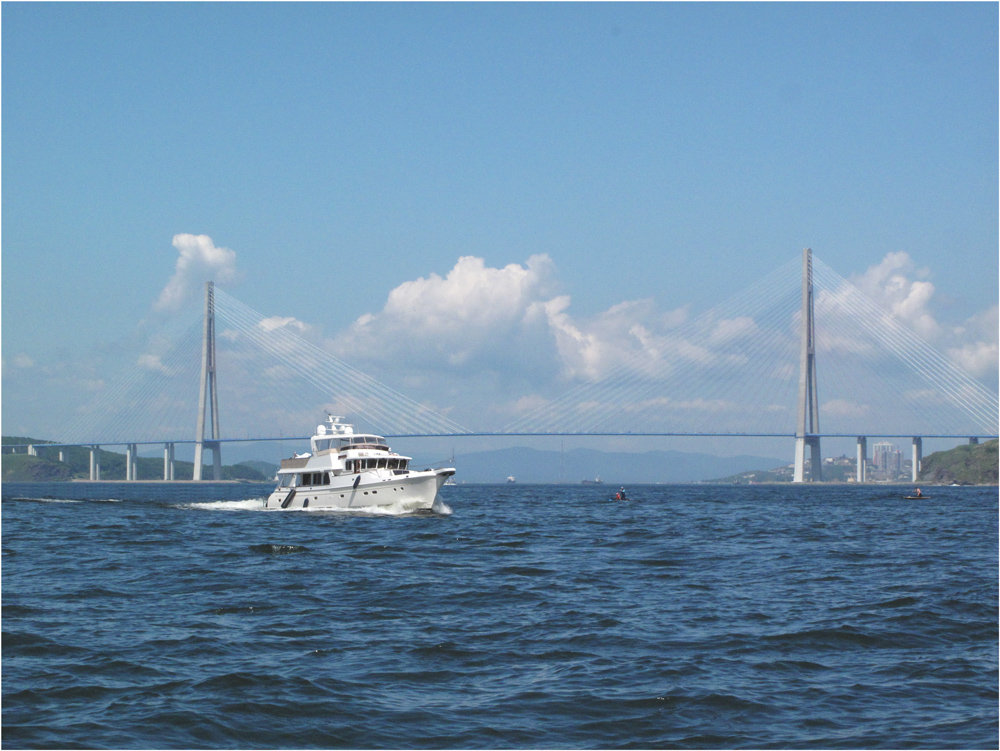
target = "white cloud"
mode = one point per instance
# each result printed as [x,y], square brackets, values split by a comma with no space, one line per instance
[897,284]
[732,328]
[23,361]
[464,319]
[508,321]
[278,322]
[199,262]
[889,283]
[153,362]
[978,354]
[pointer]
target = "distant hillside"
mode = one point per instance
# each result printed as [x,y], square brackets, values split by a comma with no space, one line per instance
[46,467]
[965,465]
[24,468]
[266,469]
[534,466]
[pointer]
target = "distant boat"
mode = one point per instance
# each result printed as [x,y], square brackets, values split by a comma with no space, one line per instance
[511,478]
[596,481]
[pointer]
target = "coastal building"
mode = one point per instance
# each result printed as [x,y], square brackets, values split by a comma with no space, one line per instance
[887,458]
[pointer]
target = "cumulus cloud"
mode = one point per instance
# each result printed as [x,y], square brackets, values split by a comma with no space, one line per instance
[153,362]
[278,322]
[505,320]
[899,285]
[978,354]
[458,319]
[199,261]
[892,284]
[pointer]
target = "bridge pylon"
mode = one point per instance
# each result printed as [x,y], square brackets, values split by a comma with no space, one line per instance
[208,393]
[807,426]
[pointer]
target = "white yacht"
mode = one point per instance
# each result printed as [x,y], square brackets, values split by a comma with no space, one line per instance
[349,470]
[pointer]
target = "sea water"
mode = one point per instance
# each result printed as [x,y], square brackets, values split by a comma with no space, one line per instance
[528,616]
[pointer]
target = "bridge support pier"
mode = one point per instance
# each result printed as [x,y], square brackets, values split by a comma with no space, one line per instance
[95,463]
[862,459]
[918,452]
[815,460]
[62,456]
[974,441]
[199,458]
[168,461]
[32,451]
[130,457]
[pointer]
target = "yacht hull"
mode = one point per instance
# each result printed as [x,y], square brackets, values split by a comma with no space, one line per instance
[414,490]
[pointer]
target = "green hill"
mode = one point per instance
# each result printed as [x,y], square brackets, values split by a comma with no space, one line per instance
[46,467]
[24,468]
[965,465]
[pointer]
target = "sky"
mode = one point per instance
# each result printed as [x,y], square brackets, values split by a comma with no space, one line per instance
[428,188]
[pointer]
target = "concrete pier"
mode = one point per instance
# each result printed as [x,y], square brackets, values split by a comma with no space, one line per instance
[168,461]
[918,451]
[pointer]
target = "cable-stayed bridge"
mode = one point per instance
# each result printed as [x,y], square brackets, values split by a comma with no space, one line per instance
[800,344]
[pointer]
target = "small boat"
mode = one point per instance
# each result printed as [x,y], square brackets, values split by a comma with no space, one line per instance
[596,481]
[915,497]
[511,478]
[349,470]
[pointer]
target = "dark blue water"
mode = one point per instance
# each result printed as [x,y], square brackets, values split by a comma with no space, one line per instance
[530,617]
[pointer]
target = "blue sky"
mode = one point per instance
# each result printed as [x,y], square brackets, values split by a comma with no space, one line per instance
[661,152]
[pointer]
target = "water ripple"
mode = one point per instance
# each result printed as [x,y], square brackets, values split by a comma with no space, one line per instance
[703,617]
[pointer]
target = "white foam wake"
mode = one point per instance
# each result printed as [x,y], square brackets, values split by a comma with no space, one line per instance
[248,504]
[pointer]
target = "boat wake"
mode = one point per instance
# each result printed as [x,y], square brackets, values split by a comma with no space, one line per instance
[247,504]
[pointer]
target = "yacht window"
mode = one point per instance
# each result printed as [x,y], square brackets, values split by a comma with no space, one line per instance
[285,481]
[403,463]
[393,464]
[326,478]
[369,464]
[303,480]
[323,445]
[381,463]
[350,466]
[381,441]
